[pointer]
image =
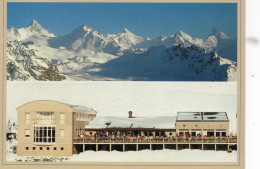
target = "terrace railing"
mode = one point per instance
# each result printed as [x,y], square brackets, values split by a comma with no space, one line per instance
[166,140]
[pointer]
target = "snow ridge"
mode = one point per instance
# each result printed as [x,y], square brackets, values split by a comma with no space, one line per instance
[177,63]
[24,64]
[88,54]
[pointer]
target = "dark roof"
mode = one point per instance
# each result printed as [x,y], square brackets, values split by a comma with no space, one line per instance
[202,116]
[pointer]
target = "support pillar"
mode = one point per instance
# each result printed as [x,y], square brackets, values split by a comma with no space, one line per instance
[228,146]
[150,146]
[163,146]
[123,147]
[136,147]
[83,147]
[177,147]
[189,146]
[202,148]
[96,147]
[110,147]
[215,147]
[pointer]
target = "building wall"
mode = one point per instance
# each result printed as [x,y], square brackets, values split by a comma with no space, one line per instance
[79,126]
[44,106]
[202,126]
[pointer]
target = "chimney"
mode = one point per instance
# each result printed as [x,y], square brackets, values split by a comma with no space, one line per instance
[130,114]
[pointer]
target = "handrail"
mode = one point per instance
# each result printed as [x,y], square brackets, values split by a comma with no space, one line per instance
[162,140]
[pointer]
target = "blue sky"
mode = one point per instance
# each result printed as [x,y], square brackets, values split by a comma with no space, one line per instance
[143,19]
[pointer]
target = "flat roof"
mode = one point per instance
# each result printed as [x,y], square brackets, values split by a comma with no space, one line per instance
[202,116]
[82,108]
[100,122]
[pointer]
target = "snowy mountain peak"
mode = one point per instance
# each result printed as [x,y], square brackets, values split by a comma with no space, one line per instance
[125,30]
[183,34]
[35,27]
[84,28]
[180,32]
[34,22]
[127,39]
[219,34]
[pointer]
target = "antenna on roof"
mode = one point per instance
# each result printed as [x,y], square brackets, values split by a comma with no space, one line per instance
[107,124]
[131,125]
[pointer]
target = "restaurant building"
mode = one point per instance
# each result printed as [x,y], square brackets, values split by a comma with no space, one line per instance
[51,128]
[47,128]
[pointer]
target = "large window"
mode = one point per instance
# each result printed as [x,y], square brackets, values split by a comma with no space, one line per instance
[44,134]
[45,117]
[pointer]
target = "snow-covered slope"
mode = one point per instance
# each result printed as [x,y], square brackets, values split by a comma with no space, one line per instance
[68,61]
[217,40]
[127,39]
[85,37]
[81,37]
[178,38]
[35,29]
[83,54]
[178,63]
[24,64]
[32,34]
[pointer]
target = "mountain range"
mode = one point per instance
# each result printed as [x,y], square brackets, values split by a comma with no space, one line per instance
[88,54]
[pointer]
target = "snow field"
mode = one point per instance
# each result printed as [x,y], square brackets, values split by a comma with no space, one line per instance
[143,98]
[156,156]
[166,155]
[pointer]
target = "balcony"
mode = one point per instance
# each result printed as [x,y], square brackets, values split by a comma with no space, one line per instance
[163,140]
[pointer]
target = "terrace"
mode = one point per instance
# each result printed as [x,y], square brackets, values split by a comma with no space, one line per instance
[149,140]
[153,143]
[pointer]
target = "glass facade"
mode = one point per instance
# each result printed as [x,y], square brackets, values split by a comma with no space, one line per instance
[44,134]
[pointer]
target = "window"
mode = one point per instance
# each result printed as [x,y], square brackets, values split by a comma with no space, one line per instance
[27,118]
[34,148]
[27,148]
[61,148]
[44,134]
[62,118]
[54,148]
[47,148]
[82,117]
[61,133]
[45,117]
[40,148]
[221,133]
[27,133]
